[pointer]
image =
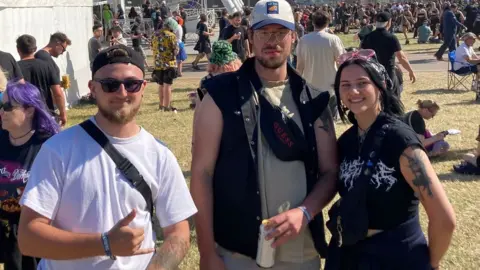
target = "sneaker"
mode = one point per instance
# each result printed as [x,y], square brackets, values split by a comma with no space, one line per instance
[407,42]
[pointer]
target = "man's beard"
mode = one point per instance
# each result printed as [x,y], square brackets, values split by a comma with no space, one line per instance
[118,116]
[272,63]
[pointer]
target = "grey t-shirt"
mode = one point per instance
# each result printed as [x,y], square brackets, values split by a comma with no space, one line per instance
[94,47]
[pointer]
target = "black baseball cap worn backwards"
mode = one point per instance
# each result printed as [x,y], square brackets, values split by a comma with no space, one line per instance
[118,54]
[383,17]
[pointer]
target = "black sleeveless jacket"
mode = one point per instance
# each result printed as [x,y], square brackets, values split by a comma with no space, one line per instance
[236,195]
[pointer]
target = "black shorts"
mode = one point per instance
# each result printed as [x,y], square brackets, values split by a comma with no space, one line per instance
[164,76]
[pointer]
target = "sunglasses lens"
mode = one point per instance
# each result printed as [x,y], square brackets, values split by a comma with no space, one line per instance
[132,86]
[7,106]
[110,86]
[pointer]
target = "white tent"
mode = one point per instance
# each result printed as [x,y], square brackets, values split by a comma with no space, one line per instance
[41,18]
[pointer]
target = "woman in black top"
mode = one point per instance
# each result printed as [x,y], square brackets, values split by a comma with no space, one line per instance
[384,174]
[203,44]
[435,145]
[26,125]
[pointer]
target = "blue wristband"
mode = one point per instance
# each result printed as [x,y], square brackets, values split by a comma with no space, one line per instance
[106,246]
[306,213]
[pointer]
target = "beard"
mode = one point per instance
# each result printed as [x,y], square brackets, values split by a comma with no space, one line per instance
[120,116]
[272,63]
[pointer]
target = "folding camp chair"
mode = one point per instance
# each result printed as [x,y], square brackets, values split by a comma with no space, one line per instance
[455,79]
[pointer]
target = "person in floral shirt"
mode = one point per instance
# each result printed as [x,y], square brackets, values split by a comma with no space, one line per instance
[165,48]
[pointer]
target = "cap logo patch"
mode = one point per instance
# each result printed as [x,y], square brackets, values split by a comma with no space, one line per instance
[272,8]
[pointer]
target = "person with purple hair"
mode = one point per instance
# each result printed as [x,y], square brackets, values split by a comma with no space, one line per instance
[26,125]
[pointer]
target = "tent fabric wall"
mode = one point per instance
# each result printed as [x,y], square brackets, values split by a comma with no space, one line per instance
[41,18]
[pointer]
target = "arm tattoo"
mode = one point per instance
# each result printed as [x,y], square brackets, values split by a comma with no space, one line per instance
[170,254]
[327,121]
[417,166]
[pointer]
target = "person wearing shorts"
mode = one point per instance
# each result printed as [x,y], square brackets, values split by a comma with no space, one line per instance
[165,49]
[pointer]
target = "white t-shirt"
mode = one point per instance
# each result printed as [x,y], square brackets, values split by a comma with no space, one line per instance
[76,184]
[178,33]
[460,54]
[319,51]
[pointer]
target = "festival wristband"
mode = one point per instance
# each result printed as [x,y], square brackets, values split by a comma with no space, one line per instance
[106,246]
[306,213]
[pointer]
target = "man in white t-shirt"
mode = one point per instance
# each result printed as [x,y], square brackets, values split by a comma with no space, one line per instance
[465,58]
[78,209]
[317,53]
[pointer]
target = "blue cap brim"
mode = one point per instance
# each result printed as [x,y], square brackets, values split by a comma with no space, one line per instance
[281,22]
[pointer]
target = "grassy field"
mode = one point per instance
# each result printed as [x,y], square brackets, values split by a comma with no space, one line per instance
[457,111]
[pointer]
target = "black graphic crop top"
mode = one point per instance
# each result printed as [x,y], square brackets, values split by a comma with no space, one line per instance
[390,199]
[15,163]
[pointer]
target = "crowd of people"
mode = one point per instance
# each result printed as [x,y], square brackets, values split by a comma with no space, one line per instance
[264,149]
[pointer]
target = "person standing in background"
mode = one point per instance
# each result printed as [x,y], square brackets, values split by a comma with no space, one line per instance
[56,46]
[165,48]
[94,45]
[10,68]
[120,13]
[39,73]
[236,34]
[107,19]
[223,22]
[137,36]
[183,14]
[317,54]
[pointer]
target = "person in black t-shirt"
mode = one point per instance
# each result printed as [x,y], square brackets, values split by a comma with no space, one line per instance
[237,36]
[387,47]
[10,67]
[56,46]
[26,125]
[223,22]
[37,72]
[381,181]
[434,144]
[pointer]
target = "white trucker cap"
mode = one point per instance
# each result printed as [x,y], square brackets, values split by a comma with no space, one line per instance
[268,12]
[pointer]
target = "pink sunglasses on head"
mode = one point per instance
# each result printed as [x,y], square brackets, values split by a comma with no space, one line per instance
[364,54]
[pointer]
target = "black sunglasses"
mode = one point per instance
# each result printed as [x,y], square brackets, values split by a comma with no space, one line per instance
[7,106]
[112,85]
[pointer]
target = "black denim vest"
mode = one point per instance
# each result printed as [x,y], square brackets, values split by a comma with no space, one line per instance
[236,195]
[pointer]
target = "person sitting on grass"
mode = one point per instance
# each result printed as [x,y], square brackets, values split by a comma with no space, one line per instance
[222,60]
[424,33]
[434,144]
[471,161]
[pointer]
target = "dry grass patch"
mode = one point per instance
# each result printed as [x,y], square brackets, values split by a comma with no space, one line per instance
[457,111]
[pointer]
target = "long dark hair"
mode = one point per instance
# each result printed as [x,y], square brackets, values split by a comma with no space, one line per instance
[391,105]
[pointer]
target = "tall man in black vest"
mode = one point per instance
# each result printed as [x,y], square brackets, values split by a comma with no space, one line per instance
[263,149]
